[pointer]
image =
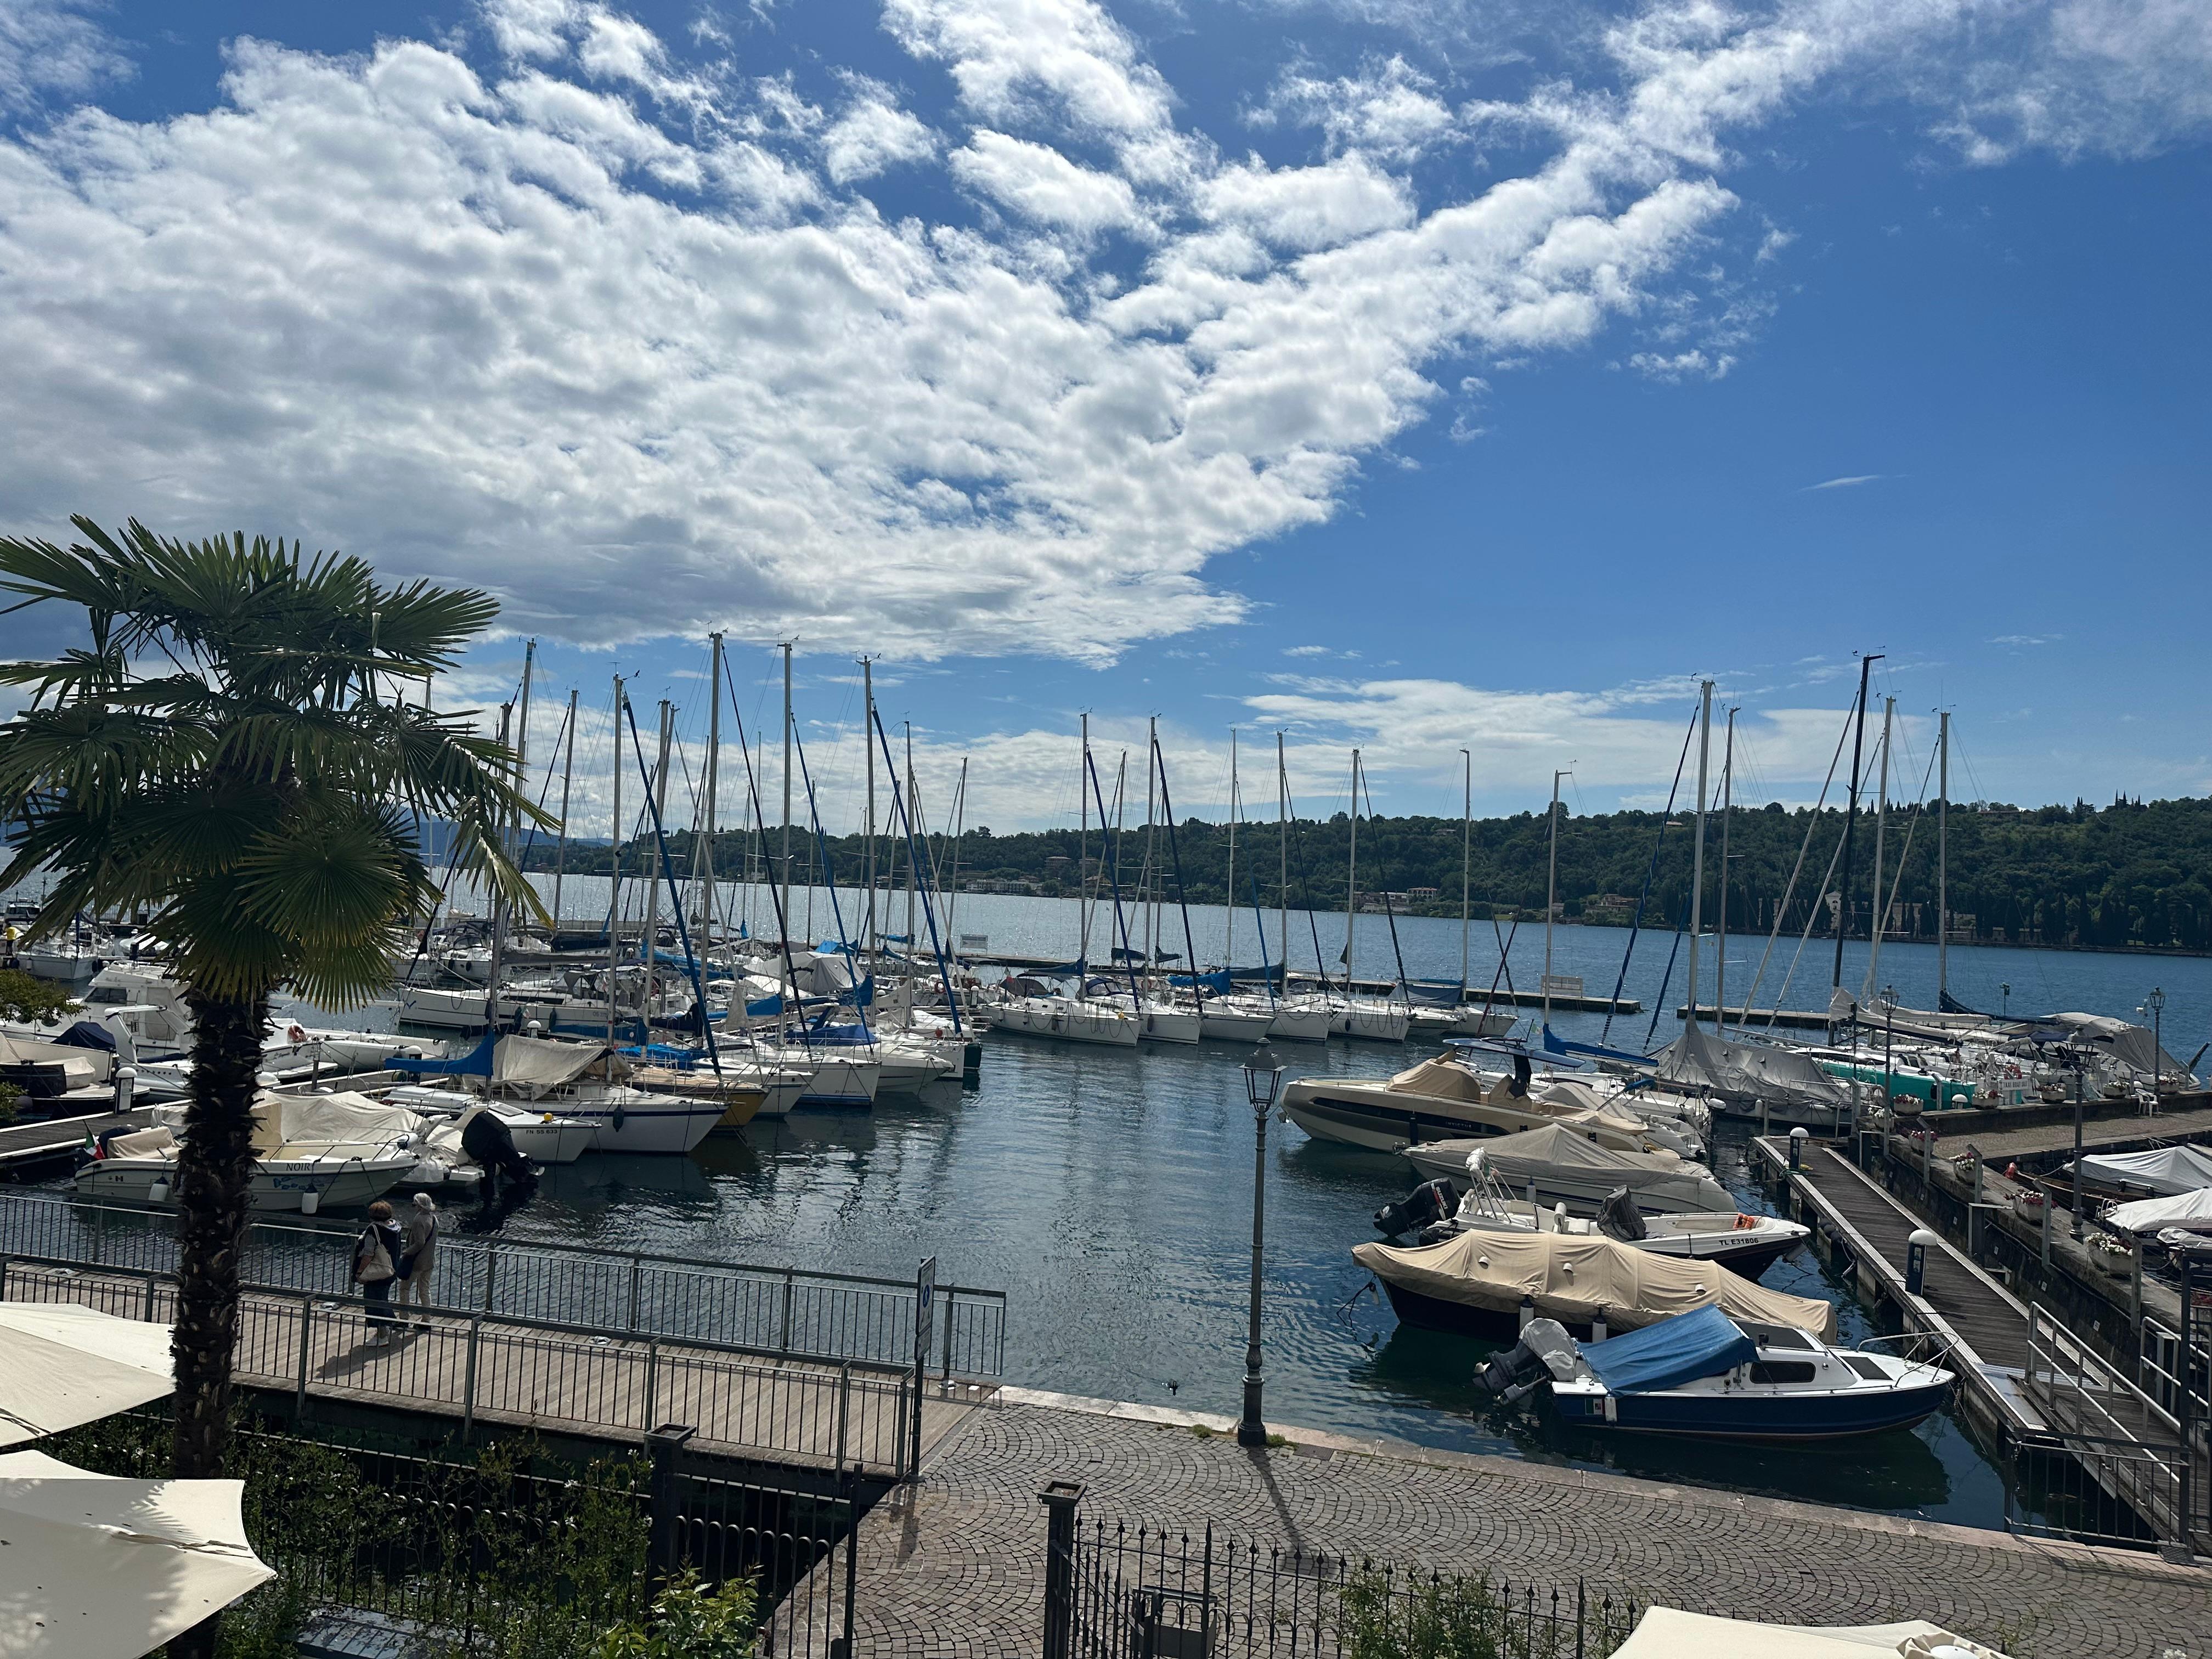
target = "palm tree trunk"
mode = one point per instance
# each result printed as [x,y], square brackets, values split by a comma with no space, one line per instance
[213,1173]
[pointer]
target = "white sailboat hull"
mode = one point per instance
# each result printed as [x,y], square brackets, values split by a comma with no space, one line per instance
[1161,1023]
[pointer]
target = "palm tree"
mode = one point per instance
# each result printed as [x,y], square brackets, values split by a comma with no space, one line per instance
[226,758]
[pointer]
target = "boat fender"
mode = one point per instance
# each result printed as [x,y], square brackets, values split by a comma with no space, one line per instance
[618,1119]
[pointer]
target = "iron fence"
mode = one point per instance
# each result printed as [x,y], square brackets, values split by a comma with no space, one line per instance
[784,1312]
[505,1371]
[1118,1592]
[488,1553]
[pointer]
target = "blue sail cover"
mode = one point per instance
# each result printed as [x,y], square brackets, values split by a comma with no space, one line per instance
[477,1063]
[1435,992]
[1669,1353]
[1556,1044]
[1219,980]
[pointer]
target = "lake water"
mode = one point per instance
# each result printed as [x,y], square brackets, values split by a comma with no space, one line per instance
[1108,1194]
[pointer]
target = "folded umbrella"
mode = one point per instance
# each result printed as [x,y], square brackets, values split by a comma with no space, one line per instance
[62,1364]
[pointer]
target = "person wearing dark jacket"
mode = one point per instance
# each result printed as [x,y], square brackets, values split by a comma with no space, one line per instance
[376,1255]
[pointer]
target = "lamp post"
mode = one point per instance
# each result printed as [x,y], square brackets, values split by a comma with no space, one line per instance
[2156,1002]
[1263,1077]
[2006,1007]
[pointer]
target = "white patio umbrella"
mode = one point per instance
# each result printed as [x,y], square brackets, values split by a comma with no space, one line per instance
[1671,1633]
[62,1364]
[99,1567]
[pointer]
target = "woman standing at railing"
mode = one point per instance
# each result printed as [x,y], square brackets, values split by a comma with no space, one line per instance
[419,1245]
[375,1255]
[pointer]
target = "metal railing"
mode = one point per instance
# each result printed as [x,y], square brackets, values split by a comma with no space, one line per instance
[505,1370]
[1118,1592]
[787,1312]
[2127,1446]
[484,1553]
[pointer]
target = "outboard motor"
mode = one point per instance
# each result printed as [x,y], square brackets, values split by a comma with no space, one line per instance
[490,1144]
[1522,1071]
[1427,1204]
[1618,1217]
[1544,1351]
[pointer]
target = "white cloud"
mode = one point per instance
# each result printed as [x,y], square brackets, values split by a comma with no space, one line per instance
[2027,639]
[623,339]
[1309,207]
[1844,483]
[873,134]
[53,50]
[1039,183]
[1388,109]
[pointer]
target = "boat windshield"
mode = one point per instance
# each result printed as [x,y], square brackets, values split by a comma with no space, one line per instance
[1775,1336]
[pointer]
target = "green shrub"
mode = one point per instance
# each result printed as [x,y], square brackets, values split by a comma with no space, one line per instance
[689,1620]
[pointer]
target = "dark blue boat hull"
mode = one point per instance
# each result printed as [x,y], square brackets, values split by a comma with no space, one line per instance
[1758,1416]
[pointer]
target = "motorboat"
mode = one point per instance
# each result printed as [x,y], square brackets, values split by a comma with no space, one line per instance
[140,1168]
[2157,1172]
[541,1137]
[1481,1283]
[1711,1374]
[1440,1099]
[580,1080]
[1746,1245]
[1563,1163]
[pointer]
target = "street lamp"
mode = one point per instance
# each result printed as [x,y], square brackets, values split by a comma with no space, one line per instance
[1263,1077]
[2156,1002]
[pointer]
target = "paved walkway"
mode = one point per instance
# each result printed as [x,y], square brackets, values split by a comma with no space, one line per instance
[955,1571]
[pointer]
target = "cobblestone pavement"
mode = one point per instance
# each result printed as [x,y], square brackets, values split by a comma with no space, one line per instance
[955,1571]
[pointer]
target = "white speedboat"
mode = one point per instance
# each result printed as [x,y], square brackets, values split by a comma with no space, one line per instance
[542,1137]
[140,1168]
[1443,1099]
[1746,1245]
[1558,1164]
[1707,1374]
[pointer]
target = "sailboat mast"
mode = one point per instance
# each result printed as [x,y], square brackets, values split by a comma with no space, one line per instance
[867,730]
[1850,822]
[614,880]
[704,862]
[1881,829]
[1352,878]
[1551,897]
[1148,891]
[1283,877]
[921,828]
[1466,867]
[785,856]
[567,780]
[1229,927]
[649,942]
[1082,853]
[1720,941]
[1697,860]
[498,903]
[1942,858]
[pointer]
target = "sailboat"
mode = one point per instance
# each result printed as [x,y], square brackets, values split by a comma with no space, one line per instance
[1373,1018]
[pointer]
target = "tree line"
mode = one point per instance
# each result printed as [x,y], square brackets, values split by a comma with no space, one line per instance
[2130,875]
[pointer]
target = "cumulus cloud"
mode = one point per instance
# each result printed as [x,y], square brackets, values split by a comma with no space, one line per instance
[1388,109]
[625,336]
[1037,182]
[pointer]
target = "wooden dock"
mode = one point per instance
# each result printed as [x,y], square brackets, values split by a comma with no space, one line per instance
[572,1383]
[1982,1324]
[24,1146]
[2039,1141]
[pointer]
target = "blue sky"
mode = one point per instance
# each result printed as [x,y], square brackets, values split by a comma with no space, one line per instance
[1423,377]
